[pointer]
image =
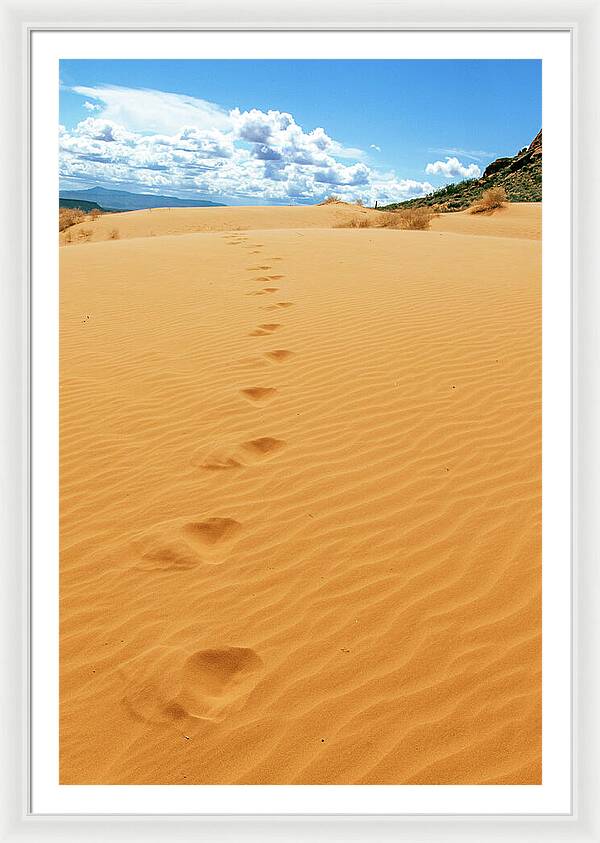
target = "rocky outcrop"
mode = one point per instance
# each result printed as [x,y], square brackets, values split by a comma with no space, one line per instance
[520,176]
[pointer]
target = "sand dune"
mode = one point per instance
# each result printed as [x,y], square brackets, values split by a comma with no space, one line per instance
[515,220]
[519,219]
[301,500]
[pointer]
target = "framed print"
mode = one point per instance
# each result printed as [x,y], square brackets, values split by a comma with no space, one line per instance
[298,415]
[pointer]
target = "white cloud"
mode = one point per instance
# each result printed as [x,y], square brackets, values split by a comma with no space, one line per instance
[451,168]
[152,141]
[473,154]
[90,106]
[374,146]
[357,174]
[144,110]
[260,127]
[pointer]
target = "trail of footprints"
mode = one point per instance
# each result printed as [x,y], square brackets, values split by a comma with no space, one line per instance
[182,545]
[210,682]
[264,446]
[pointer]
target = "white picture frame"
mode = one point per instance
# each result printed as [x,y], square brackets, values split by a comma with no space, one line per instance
[18,22]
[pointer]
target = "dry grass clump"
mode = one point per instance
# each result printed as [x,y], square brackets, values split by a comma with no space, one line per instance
[415,219]
[489,202]
[85,233]
[331,200]
[409,219]
[388,219]
[68,217]
[114,234]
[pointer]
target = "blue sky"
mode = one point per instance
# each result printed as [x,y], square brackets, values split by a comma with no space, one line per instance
[290,132]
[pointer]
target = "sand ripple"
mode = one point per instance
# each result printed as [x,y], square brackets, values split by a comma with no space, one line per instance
[306,550]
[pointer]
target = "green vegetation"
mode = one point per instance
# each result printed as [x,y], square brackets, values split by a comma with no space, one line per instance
[520,177]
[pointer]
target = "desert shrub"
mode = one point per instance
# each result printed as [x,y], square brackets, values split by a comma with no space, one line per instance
[85,233]
[388,219]
[489,201]
[114,234]
[356,222]
[406,219]
[68,217]
[94,214]
[411,219]
[360,203]
[68,236]
[330,200]
[415,219]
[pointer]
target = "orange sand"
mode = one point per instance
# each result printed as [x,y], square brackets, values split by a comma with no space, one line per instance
[301,499]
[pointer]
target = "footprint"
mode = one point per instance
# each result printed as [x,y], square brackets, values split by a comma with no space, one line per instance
[180,545]
[265,329]
[168,555]
[213,679]
[254,268]
[169,685]
[264,446]
[278,305]
[212,531]
[259,393]
[220,464]
[275,277]
[279,355]
[240,457]
[263,292]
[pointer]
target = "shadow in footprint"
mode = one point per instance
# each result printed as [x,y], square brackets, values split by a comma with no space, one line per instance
[213,680]
[278,305]
[219,464]
[259,393]
[264,446]
[265,291]
[279,355]
[265,329]
[211,531]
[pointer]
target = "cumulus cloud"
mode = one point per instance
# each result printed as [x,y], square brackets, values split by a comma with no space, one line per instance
[451,168]
[357,174]
[375,147]
[90,106]
[154,141]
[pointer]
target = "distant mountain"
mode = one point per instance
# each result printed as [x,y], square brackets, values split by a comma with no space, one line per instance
[123,200]
[82,204]
[520,176]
